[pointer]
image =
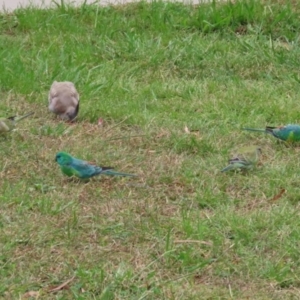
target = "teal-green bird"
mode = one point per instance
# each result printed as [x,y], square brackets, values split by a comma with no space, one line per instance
[245,159]
[288,133]
[8,124]
[72,166]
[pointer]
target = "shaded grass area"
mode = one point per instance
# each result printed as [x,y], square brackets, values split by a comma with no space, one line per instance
[182,80]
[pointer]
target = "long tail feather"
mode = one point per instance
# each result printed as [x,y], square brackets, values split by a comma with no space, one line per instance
[115,173]
[17,119]
[238,165]
[228,168]
[254,129]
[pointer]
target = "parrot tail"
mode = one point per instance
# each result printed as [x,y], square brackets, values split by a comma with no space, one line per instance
[254,129]
[228,168]
[17,119]
[111,172]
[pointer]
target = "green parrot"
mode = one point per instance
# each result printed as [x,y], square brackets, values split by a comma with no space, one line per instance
[288,133]
[72,166]
[244,159]
[8,124]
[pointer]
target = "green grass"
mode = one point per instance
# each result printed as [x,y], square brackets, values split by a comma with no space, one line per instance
[182,230]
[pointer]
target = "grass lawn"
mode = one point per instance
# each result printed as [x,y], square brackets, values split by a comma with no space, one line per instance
[174,85]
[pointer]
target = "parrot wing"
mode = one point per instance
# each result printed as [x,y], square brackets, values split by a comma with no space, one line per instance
[289,133]
[84,169]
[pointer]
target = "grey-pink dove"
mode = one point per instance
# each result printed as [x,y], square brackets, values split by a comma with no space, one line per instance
[64,100]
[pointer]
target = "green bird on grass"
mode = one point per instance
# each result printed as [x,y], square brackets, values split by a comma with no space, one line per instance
[245,159]
[8,124]
[288,133]
[72,166]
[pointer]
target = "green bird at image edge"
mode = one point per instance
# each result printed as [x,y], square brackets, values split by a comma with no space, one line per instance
[288,133]
[8,124]
[72,166]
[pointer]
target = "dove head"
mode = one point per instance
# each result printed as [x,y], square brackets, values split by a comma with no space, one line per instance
[63,158]
[72,112]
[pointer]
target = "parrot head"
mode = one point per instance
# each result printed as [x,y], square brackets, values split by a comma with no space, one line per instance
[63,158]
